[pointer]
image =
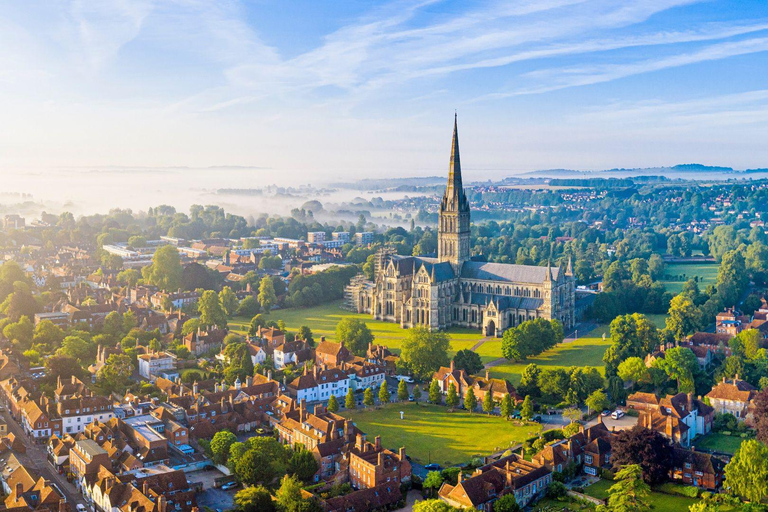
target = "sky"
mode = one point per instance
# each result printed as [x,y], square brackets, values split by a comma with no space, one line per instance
[308,90]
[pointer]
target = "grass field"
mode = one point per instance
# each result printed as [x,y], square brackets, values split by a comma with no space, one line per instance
[706,272]
[719,442]
[582,352]
[660,502]
[660,321]
[323,319]
[460,435]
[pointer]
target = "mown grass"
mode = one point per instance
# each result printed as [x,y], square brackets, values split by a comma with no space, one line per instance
[584,352]
[660,502]
[430,433]
[719,442]
[322,320]
[706,273]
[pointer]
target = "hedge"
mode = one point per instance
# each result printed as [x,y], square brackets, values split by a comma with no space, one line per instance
[682,490]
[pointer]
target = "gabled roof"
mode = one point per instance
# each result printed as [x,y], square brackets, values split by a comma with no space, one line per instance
[506,272]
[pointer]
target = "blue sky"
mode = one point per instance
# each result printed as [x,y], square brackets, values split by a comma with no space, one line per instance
[315,90]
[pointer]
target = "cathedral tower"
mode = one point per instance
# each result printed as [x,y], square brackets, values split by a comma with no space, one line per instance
[453,228]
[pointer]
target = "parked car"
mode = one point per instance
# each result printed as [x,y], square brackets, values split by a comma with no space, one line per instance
[406,378]
[432,467]
[228,486]
[606,412]
[617,414]
[516,415]
[410,398]
[81,507]
[537,418]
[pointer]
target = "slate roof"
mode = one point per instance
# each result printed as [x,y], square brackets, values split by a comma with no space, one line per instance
[506,272]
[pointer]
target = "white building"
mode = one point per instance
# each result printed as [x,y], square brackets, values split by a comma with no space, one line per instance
[319,384]
[364,238]
[316,237]
[152,365]
[77,413]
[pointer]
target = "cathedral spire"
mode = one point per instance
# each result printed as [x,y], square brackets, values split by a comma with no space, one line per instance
[455,186]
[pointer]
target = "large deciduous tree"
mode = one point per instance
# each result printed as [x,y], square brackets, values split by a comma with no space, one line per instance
[630,493]
[355,335]
[211,311]
[746,475]
[468,360]
[425,351]
[165,270]
[645,447]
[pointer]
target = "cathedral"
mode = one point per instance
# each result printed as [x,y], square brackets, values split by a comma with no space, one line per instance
[452,290]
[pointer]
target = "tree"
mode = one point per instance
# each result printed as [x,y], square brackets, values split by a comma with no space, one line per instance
[683,318]
[435,395]
[630,493]
[64,367]
[631,336]
[530,338]
[452,397]
[597,401]
[470,400]
[368,397]
[529,380]
[355,335]
[48,334]
[572,414]
[129,277]
[402,391]
[433,482]
[78,348]
[303,465]
[220,445]
[211,311]
[349,401]
[425,351]
[416,393]
[526,410]
[488,403]
[116,372]
[506,503]
[267,297]
[681,364]
[165,270]
[433,506]
[384,393]
[760,415]
[506,406]
[746,475]
[254,499]
[333,404]
[290,499]
[248,307]
[468,360]
[20,332]
[305,333]
[264,459]
[633,370]
[228,301]
[645,447]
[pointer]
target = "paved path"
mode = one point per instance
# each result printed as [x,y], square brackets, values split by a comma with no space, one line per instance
[36,459]
[482,340]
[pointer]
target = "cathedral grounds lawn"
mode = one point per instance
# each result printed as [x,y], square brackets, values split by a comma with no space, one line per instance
[323,319]
[706,272]
[660,321]
[582,352]
[660,501]
[432,434]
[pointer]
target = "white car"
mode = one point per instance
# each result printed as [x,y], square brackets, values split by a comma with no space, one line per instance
[407,379]
[617,414]
[81,507]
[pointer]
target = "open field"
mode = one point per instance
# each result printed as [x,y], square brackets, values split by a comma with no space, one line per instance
[719,442]
[706,272]
[432,434]
[659,501]
[323,319]
[582,352]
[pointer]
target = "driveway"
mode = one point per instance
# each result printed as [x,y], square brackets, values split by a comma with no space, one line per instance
[624,423]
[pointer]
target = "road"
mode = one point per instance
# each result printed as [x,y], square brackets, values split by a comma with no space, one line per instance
[36,459]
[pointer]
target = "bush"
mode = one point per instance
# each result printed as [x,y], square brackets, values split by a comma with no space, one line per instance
[556,490]
[632,412]
[726,432]
[744,436]
[682,490]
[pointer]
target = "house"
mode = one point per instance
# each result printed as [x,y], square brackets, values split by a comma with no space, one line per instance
[331,354]
[697,468]
[731,322]
[480,385]
[732,396]
[156,363]
[27,491]
[363,374]
[178,299]
[528,481]
[292,352]
[383,497]
[371,465]
[445,376]
[85,458]
[202,342]
[590,446]
[678,417]
[319,384]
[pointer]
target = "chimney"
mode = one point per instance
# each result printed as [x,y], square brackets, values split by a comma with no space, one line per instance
[223,406]
[249,381]
[377,443]
[161,503]
[346,431]
[401,453]
[451,365]
[269,374]
[460,477]
[381,460]
[145,488]
[735,379]
[19,489]
[62,505]
[487,374]
[359,442]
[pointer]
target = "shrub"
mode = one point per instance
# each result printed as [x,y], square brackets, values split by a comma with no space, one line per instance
[556,490]
[682,490]
[726,432]
[632,412]
[744,436]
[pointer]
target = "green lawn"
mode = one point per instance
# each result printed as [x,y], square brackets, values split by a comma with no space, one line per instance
[719,442]
[706,272]
[659,501]
[582,352]
[323,319]
[432,434]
